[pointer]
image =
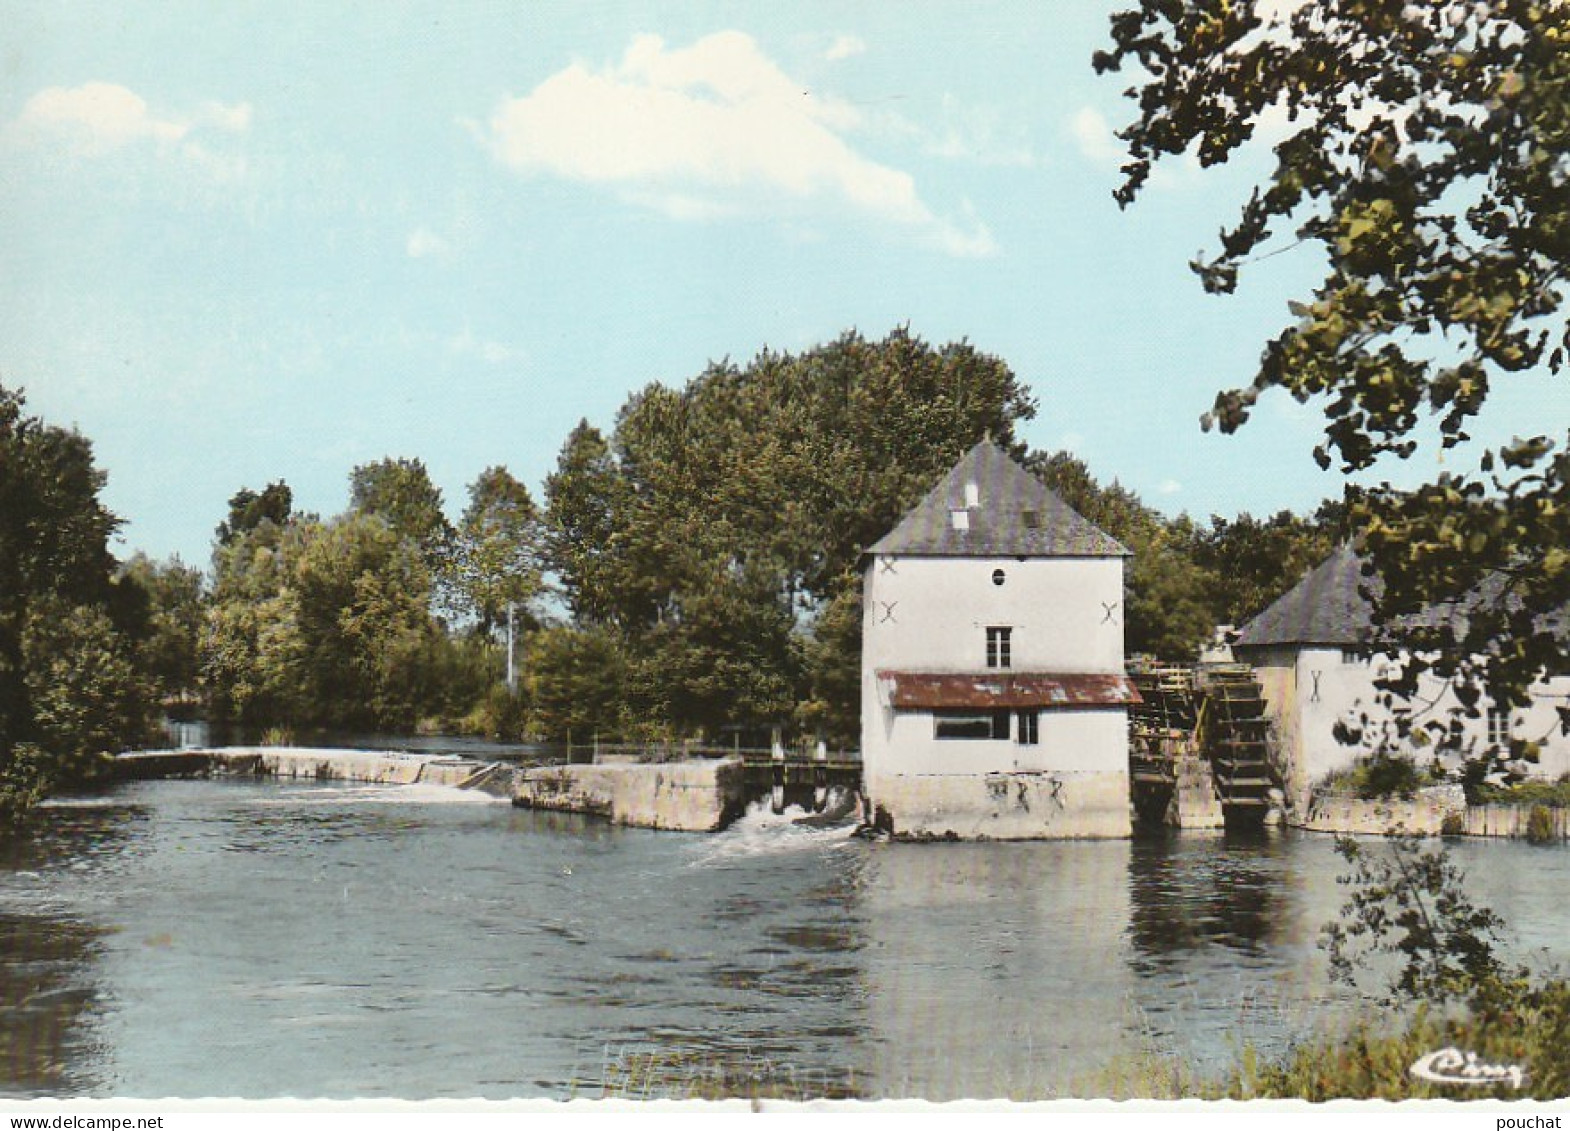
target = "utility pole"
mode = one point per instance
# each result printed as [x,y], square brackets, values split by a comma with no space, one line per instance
[512,671]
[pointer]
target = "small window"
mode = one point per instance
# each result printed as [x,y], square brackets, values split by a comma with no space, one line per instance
[1031,520]
[972,495]
[998,577]
[1499,726]
[1028,732]
[960,518]
[1351,656]
[971,724]
[1000,647]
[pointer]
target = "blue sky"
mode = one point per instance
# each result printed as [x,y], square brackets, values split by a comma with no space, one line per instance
[245,242]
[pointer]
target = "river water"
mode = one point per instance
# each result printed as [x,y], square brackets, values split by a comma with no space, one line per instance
[261,939]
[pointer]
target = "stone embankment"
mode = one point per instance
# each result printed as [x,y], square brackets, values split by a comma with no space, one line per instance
[1435,811]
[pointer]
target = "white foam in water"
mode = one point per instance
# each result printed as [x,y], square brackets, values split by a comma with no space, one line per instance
[420,793]
[762,832]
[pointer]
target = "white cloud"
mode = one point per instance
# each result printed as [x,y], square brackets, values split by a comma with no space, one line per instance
[710,130]
[844,47]
[96,116]
[424,243]
[465,344]
[232,119]
[1169,487]
[1095,138]
[979,134]
[97,119]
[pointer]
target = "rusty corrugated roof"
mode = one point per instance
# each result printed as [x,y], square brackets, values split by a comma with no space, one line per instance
[934,690]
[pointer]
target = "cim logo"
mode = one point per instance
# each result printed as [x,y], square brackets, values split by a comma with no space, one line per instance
[1452,1066]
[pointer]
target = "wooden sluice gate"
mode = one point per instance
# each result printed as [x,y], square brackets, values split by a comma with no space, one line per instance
[802,777]
[1199,724]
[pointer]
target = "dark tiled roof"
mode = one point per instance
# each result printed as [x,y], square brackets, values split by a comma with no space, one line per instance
[1016,516]
[1328,607]
[1324,608]
[934,690]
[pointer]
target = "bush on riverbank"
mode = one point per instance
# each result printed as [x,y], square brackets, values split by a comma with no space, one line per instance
[1506,1024]
[1380,776]
[1554,794]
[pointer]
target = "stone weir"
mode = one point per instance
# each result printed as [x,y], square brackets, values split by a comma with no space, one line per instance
[378,767]
[697,795]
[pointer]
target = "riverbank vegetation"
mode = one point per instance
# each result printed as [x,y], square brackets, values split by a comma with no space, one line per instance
[77,671]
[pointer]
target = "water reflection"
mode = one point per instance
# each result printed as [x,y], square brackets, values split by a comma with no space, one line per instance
[1190,892]
[377,942]
[50,997]
[47,995]
[993,969]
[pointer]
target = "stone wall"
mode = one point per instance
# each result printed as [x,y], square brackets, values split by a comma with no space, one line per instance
[1194,795]
[1004,806]
[694,796]
[1424,814]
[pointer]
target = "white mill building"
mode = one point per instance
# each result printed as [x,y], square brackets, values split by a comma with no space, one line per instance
[994,699]
[1316,654]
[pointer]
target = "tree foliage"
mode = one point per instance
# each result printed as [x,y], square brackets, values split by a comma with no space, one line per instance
[1426,155]
[1411,903]
[68,688]
[322,624]
[718,521]
[172,599]
[400,492]
[248,509]
[495,560]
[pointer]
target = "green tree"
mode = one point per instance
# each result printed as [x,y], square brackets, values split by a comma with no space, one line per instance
[400,492]
[362,595]
[583,501]
[1426,156]
[88,700]
[576,682]
[175,601]
[65,694]
[719,517]
[831,668]
[324,624]
[1253,561]
[248,510]
[496,560]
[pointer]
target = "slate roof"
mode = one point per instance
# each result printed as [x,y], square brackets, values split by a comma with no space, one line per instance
[1328,608]
[1016,515]
[1323,608]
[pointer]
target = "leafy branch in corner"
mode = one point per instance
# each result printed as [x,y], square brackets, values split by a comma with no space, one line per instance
[1411,903]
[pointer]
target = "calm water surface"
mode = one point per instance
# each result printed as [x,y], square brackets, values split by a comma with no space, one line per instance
[258,939]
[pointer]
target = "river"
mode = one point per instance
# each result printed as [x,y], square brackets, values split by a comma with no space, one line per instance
[258,939]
